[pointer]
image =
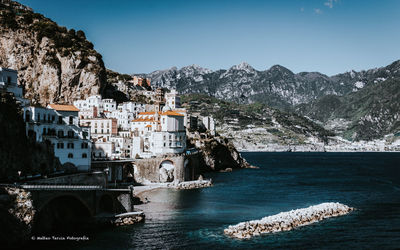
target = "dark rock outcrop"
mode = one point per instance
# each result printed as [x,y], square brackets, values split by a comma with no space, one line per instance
[16,216]
[218,153]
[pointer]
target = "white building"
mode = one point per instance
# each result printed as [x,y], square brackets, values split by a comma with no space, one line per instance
[88,113]
[172,99]
[96,101]
[59,124]
[102,149]
[9,83]
[133,107]
[109,105]
[158,133]
[123,118]
[209,123]
[101,127]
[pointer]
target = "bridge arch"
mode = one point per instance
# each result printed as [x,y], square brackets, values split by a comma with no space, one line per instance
[166,170]
[62,213]
[106,204]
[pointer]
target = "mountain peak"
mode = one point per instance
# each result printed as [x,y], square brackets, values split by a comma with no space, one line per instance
[196,68]
[243,66]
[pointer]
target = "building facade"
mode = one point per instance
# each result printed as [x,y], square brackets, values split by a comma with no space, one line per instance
[59,125]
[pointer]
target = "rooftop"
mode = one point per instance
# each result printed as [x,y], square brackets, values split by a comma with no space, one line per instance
[60,107]
[169,113]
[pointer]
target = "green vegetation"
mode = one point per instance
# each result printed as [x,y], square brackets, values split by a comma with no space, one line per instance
[372,111]
[242,116]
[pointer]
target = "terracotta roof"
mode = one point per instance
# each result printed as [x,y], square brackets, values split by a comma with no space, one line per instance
[143,120]
[147,113]
[60,107]
[148,126]
[171,113]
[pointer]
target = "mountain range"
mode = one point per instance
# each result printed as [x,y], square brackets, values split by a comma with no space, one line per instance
[277,86]
[360,105]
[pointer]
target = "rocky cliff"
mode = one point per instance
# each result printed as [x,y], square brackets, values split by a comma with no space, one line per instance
[218,153]
[54,64]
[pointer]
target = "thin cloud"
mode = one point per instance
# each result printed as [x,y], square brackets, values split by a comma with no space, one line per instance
[318,11]
[302,9]
[330,3]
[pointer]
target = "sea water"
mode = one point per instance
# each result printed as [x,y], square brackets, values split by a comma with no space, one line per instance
[195,219]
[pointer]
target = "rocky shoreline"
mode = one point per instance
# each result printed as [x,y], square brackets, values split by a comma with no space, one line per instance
[286,221]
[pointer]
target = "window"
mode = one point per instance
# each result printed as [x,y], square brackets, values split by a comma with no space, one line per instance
[71,120]
[8,79]
[38,117]
[60,121]
[60,133]
[70,155]
[84,155]
[27,116]
[95,130]
[44,131]
[84,145]
[70,133]
[70,145]
[60,145]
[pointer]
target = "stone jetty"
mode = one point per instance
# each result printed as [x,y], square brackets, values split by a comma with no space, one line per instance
[286,221]
[194,184]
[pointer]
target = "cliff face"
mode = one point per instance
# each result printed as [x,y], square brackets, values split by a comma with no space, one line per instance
[218,153]
[54,64]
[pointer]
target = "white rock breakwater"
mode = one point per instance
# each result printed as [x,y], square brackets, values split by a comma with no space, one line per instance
[286,221]
[194,184]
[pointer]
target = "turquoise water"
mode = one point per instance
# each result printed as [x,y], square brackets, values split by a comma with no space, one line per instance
[195,219]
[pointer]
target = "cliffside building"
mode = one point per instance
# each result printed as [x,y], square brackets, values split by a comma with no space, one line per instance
[59,125]
[9,83]
[143,82]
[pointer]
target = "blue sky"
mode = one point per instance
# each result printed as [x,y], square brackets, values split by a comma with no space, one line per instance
[329,36]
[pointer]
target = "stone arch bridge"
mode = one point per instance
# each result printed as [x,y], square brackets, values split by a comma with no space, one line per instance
[167,168]
[94,199]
